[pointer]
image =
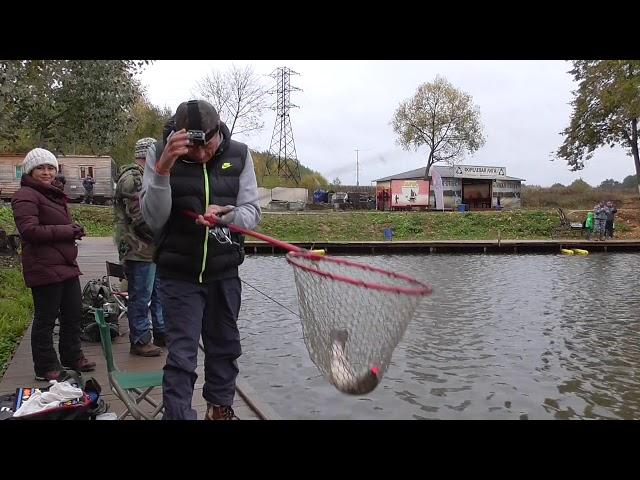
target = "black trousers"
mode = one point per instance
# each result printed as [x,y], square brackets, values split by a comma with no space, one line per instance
[61,300]
[608,228]
[192,310]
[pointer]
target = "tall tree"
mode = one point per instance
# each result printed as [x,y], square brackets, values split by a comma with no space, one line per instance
[67,105]
[610,184]
[145,120]
[606,108]
[579,185]
[9,92]
[238,95]
[630,181]
[442,118]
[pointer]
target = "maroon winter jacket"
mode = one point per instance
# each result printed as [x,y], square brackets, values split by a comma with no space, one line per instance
[49,250]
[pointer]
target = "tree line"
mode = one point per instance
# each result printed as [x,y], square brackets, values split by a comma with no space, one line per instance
[98,107]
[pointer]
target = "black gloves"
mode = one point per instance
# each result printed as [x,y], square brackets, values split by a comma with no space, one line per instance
[78,231]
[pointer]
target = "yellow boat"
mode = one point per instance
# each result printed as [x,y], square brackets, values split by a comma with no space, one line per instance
[566,251]
[579,251]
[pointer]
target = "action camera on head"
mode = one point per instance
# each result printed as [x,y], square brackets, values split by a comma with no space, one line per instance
[196,138]
[199,119]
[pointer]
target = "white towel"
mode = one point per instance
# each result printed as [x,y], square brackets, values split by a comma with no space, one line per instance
[39,401]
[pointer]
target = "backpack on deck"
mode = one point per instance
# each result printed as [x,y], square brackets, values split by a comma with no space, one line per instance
[97,294]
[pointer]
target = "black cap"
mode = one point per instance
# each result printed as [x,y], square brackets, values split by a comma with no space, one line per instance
[196,115]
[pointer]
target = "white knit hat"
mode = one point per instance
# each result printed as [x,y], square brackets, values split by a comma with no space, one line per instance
[38,156]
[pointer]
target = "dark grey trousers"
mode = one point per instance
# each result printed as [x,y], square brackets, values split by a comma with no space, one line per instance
[191,310]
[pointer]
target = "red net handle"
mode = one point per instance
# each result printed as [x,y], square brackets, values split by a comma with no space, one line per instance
[418,288]
[234,228]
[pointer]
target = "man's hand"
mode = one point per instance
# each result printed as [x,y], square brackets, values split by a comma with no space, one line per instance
[216,215]
[176,147]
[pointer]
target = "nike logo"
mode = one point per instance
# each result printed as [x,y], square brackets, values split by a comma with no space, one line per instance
[226,165]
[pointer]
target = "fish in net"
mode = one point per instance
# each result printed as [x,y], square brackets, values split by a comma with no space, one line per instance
[353,316]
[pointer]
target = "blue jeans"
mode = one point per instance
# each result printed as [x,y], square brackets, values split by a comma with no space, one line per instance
[143,288]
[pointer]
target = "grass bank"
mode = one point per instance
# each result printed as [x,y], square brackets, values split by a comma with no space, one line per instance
[367,226]
[16,311]
[520,224]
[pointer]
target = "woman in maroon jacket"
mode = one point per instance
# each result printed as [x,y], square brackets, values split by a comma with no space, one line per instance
[49,265]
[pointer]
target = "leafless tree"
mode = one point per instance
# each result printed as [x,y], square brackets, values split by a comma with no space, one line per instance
[239,96]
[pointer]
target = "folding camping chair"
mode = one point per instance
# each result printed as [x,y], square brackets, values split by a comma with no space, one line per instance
[130,387]
[566,226]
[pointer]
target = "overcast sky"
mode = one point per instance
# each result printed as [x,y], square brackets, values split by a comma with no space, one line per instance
[347,105]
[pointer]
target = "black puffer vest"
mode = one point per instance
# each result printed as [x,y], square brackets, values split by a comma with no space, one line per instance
[186,250]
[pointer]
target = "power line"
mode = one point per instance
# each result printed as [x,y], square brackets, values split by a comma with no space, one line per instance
[357,150]
[283,147]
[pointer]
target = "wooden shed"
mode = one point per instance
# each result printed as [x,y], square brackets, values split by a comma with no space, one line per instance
[74,167]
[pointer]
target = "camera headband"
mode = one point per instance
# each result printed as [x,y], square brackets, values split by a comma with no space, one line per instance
[193,114]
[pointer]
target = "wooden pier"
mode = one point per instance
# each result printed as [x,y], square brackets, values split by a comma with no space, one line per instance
[452,246]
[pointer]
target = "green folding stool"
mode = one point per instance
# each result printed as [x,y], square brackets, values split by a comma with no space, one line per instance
[130,387]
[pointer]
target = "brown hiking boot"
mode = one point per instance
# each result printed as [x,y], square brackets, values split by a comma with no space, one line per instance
[52,375]
[81,365]
[219,412]
[145,350]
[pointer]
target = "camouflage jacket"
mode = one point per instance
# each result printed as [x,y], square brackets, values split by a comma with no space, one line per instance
[133,237]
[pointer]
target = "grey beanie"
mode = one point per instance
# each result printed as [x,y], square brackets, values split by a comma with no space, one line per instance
[142,145]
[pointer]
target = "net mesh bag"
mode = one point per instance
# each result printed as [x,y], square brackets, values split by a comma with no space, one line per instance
[353,316]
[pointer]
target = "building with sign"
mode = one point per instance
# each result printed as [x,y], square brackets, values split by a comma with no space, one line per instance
[478,187]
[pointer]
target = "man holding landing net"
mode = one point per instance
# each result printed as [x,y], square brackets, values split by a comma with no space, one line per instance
[198,168]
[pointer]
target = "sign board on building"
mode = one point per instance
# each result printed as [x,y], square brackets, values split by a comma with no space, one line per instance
[478,171]
[409,193]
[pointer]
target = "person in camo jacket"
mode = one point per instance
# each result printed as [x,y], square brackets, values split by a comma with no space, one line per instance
[600,212]
[134,240]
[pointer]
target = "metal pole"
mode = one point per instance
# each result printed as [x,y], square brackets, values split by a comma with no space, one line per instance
[357,170]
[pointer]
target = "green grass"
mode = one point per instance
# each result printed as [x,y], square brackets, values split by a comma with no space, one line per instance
[97,221]
[523,224]
[16,311]
[6,218]
[367,226]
